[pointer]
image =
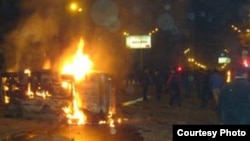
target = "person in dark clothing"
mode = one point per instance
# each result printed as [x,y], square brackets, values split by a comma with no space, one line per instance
[216,82]
[189,84]
[146,80]
[173,83]
[206,92]
[234,102]
[158,83]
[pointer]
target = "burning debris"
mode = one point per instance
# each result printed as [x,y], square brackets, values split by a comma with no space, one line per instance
[76,94]
[31,94]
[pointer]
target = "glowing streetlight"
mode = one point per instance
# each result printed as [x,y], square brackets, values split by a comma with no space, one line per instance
[125,33]
[74,6]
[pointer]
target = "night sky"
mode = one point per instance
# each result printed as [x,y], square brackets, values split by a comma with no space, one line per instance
[203,25]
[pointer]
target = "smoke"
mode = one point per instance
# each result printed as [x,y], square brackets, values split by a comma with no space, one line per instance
[47,29]
[33,40]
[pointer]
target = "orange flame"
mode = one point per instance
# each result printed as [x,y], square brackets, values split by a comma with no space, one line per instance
[47,64]
[73,113]
[78,66]
[30,94]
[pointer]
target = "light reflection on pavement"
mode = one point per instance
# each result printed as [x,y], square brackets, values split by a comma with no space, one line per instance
[35,130]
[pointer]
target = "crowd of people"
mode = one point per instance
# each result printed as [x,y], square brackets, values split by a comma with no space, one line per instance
[202,84]
[230,100]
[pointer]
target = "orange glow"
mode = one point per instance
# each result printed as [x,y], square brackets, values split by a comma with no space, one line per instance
[47,64]
[79,65]
[73,6]
[228,76]
[6,99]
[73,113]
[30,94]
[27,71]
[43,94]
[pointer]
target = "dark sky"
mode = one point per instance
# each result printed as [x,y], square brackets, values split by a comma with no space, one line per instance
[202,24]
[213,13]
[9,12]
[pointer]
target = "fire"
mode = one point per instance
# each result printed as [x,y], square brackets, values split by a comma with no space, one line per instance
[77,66]
[29,92]
[73,113]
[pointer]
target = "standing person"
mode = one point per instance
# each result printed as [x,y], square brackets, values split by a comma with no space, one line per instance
[216,83]
[145,82]
[158,83]
[174,84]
[234,102]
[189,84]
[205,89]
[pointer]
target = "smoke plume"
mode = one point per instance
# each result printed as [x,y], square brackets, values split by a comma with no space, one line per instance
[33,40]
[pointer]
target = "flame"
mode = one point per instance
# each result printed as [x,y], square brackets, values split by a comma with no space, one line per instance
[27,71]
[30,94]
[44,94]
[73,113]
[77,66]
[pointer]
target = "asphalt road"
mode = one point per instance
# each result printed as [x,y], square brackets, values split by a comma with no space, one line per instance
[146,121]
[37,130]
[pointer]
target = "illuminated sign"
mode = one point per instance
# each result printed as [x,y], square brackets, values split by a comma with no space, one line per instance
[138,42]
[223,60]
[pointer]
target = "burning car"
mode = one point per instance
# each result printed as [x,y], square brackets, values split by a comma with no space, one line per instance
[97,94]
[43,94]
[76,92]
[93,97]
[37,94]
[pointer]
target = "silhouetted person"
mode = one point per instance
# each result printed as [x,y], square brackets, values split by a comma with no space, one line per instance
[216,83]
[234,102]
[145,82]
[189,84]
[158,83]
[206,92]
[174,85]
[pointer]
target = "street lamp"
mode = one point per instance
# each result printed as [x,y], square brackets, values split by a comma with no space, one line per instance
[74,6]
[75,9]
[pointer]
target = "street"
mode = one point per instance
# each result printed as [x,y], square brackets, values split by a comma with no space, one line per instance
[35,130]
[141,121]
